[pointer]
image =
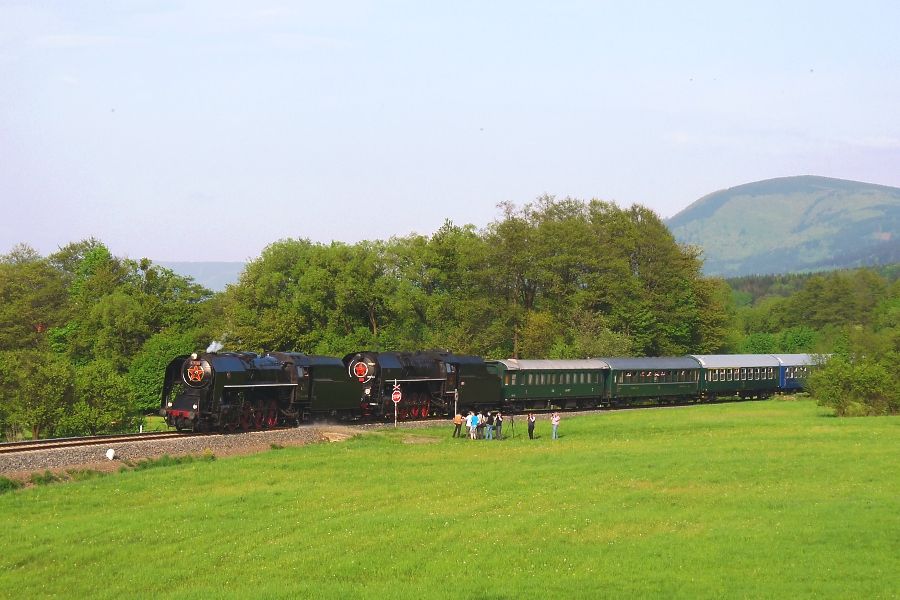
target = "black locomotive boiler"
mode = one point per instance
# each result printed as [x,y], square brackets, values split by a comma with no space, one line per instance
[239,391]
[429,382]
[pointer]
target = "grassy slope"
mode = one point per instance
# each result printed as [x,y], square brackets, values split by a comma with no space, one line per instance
[791,224]
[770,499]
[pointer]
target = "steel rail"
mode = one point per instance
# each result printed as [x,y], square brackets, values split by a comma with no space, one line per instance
[53,443]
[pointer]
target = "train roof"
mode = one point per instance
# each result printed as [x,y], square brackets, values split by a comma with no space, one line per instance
[661,362]
[795,360]
[727,361]
[516,364]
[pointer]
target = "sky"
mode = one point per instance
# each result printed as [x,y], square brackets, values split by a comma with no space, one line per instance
[206,130]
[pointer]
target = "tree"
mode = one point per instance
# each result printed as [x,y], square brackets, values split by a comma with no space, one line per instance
[36,388]
[104,402]
[32,299]
[145,372]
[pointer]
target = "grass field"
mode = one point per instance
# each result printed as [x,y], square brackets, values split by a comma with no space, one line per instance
[767,500]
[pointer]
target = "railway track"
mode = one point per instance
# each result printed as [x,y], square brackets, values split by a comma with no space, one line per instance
[95,440]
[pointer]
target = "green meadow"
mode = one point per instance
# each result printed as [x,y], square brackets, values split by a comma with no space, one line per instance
[772,499]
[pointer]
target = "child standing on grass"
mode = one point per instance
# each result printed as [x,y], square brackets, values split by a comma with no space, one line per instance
[554,420]
[530,426]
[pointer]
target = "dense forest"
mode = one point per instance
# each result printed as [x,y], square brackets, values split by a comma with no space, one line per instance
[85,335]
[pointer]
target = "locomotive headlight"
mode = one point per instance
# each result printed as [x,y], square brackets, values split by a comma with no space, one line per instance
[195,407]
[368,391]
[193,356]
[170,405]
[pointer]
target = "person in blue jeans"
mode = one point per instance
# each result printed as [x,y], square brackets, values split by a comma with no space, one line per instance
[489,427]
[554,420]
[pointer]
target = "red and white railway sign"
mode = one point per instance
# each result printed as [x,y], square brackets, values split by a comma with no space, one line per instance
[396,396]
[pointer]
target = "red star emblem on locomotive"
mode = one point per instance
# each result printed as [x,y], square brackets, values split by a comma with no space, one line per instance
[195,373]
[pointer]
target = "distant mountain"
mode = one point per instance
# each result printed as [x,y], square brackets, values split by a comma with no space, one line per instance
[213,275]
[793,224]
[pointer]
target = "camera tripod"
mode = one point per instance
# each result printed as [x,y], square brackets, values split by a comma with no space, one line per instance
[512,426]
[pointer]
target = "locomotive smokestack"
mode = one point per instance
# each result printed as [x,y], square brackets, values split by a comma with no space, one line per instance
[215,346]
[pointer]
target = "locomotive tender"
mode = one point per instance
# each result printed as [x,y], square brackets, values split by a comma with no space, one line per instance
[231,391]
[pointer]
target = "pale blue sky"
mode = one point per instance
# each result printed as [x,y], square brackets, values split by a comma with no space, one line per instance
[206,130]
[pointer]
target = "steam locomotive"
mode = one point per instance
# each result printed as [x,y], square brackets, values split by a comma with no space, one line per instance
[239,391]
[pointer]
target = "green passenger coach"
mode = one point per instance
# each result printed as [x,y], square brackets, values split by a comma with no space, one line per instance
[744,375]
[545,384]
[667,378]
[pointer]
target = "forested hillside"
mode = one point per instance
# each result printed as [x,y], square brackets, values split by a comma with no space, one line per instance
[85,336]
[557,278]
[793,224]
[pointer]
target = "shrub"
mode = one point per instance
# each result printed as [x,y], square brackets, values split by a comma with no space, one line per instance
[44,478]
[83,474]
[8,485]
[168,461]
[856,386]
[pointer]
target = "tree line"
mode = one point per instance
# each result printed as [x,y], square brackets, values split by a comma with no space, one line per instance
[85,336]
[852,315]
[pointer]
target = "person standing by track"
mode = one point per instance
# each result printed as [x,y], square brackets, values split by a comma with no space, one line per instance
[554,421]
[457,422]
[530,426]
[498,424]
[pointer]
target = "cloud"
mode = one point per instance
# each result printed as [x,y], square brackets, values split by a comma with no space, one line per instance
[883,142]
[68,41]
